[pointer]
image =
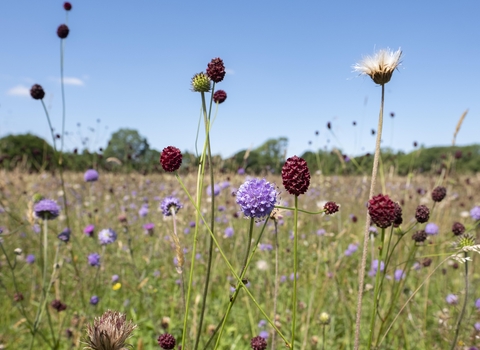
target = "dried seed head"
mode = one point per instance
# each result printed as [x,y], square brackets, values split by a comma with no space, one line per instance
[380,66]
[109,332]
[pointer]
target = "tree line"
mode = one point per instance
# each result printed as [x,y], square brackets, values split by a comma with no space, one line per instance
[128,151]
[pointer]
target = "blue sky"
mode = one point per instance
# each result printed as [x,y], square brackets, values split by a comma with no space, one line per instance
[128,64]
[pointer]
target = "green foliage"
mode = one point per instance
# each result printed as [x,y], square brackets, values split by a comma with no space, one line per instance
[26,151]
[127,144]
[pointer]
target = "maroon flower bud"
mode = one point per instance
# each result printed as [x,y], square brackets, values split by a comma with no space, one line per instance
[330,208]
[296,176]
[381,210]
[18,297]
[216,70]
[422,214]
[439,193]
[63,31]
[171,159]
[419,236]
[67,6]
[58,305]
[166,341]
[458,229]
[427,262]
[398,215]
[37,92]
[258,343]
[219,96]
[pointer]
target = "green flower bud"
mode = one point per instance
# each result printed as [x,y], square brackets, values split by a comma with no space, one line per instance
[201,82]
[324,318]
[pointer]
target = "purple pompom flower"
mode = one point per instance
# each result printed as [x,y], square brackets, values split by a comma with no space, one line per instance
[475,213]
[257,198]
[452,299]
[431,229]
[46,209]
[88,230]
[94,300]
[94,259]
[91,175]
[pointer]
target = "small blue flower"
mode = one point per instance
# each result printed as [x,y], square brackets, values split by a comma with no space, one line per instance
[216,190]
[229,232]
[399,274]
[431,229]
[352,248]
[94,259]
[30,259]
[90,175]
[475,213]
[94,300]
[452,299]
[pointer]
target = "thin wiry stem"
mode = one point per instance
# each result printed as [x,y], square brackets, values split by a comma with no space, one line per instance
[275,292]
[363,264]
[462,313]
[295,269]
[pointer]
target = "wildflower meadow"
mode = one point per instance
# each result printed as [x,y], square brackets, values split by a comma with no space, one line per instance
[195,255]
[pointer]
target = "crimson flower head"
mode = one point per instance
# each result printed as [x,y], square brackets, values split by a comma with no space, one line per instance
[439,193]
[216,70]
[296,176]
[67,6]
[171,159]
[219,96]
[382,210]
[331,208]
[62,31]
[37,92]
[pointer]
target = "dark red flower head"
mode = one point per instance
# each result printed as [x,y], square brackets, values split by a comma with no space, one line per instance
[166,341]
[422,214]
[439,193]
[58,305]
[171,159]
[458,229]
[419,236]
[216,70]
[67,6]
[37,92]
[398,215]
[330,208]
[382,210]
[258,343]
[219,96]
[62,31]
[296,176]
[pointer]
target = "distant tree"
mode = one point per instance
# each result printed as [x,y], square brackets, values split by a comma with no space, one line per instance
[30,152]
[128,146]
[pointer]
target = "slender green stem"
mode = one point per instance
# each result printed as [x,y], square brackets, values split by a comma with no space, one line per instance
[300,210]
[277,282]
[323,337]
[62,46]
[295,269]
[462,312]
[376,293]
[363,264]
[212,218]
[237,290]
[230,267]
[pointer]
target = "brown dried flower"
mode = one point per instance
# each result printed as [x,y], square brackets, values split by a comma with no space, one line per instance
[109,332]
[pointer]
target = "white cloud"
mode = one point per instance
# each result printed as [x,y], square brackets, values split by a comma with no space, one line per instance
[73,81]
[19,90]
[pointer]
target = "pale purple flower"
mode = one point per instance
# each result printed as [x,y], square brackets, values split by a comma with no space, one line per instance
[452,299]
[94,259]
[431,229]
[168,203]
[352,248]
[374,268]
[262,324]
[477,304]
[107,236]
[46,209]
[399,274]
[475,213]
[264,334]
[240,171]
[216,190]
[265,247]
[94,300]
[90,175]
[321,232]
[115,278]
[257,198]
[229,232]
[149,228]
[477,326]
[143,211]
[30,259]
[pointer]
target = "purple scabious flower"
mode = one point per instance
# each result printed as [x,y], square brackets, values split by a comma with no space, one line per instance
[431,229]
[399,274]
[94,300]
[143,211]
[452,299]
[94,259]
[477,327]
[229,232]
[107,236]
[115,278]
[224,185]
[216,190]
[475,213]
[257,198]
[91,175]
[477,304]
[168,203]
[374,268]
[149,228]
[265,247]
[240,171]
[64,235]
[352,248]
[46,209]
[30,259]
[88,230]
[321,232]
[264,334]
